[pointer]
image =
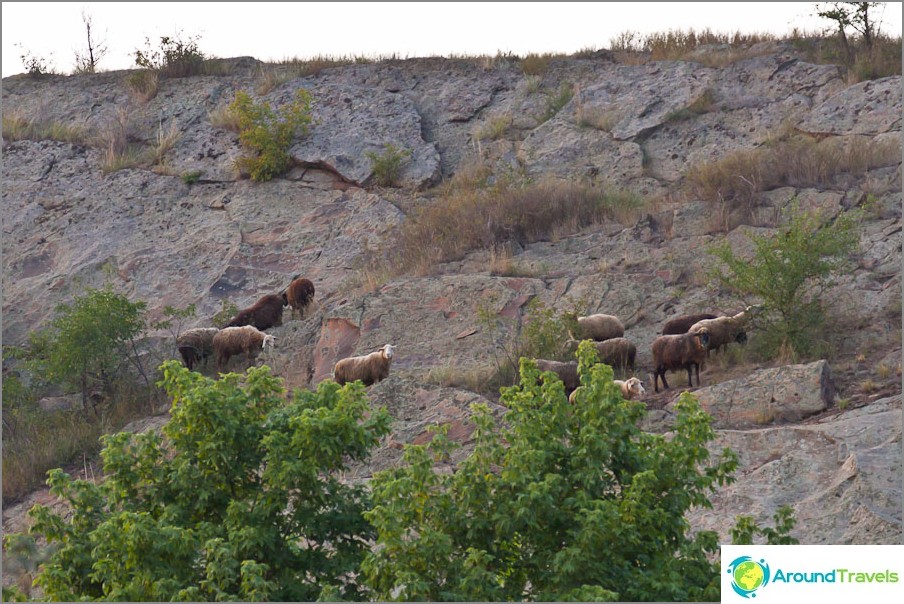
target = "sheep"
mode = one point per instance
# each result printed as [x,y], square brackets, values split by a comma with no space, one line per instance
[617,352]
[195,345]
[682,324]
[370,368]
[567,372]
[599,327]
[231,341]
[263,314]
[298,295]
[723,330]
[631,389]
[679,351]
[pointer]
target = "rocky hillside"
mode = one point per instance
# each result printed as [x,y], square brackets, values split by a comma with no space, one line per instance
[823,437]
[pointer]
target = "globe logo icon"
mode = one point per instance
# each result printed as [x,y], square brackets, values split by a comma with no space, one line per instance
[748,575]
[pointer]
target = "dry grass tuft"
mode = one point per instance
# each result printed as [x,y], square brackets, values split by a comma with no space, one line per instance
[143,85]
[18,126]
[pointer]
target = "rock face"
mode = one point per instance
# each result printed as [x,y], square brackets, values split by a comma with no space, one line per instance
[68,224]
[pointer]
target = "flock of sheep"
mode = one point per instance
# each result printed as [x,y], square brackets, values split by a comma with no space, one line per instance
[684,343]
[244,334]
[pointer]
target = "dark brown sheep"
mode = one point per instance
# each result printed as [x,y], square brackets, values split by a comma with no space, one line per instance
[567,372]
[195,345]
[682,324]
[682,351]
[231,341]
[263,314]
[618,353]
[298,295]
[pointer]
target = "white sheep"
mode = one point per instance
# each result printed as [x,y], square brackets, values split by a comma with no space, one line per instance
[370,368]
[723,330]
[231,341]
[599,327]
[631,389]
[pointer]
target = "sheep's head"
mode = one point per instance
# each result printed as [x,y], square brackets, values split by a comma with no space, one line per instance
[388,350]
[702,336]
[268,340]
[741,338]
[635,387]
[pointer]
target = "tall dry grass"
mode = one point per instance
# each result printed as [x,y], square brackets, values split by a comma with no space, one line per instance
[17,125]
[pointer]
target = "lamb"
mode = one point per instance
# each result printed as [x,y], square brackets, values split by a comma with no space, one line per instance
[631,389]
[723,330]
[246,339]
[683,323]
[679,351]
[263,314]
[370,368]
[617,352]
[599,327]
[195,345]
[299,295]
[567,372]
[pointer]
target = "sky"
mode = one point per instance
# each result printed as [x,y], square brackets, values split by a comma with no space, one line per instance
[273,30]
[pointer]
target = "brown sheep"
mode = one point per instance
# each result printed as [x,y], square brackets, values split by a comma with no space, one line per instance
[231,341]
[195,345]
[723,330]
[682,324]
[617,353]
[599,327]
[567,372]
[298,296]
[370,368]
[263,314]
[673,352]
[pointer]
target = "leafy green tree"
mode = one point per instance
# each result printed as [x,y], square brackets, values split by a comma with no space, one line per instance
[89,342]
[268,134]
[565,502]
[238,499]
[789,273]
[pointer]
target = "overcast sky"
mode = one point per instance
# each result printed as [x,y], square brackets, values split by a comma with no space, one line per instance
[272,31]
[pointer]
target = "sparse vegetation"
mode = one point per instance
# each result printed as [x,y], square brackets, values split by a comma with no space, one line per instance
[268,134]
[143,84]
[471,215]
[702,104]
[16,126]
[166,140]
[493,128]
[387,165]
[790,273]
[736,180]
[86,60]
[228,309]
[535,65]
[556,101]
[35,65]
[115,140]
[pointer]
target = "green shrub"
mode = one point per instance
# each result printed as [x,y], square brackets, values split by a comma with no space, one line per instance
[556,502]
[191,177]
[228,309]
[789,274]
[240,498]
[268,134]
[387,166]
[556,101]
[175,58]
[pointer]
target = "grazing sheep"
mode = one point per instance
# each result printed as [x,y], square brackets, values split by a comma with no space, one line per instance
[195,345]
[567,372]
[298,295]
[683,323]
[370,368]
[679,351]
[631,389]
[231,341]
[617,353]
[263,314]
[723,330]
[599,327]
